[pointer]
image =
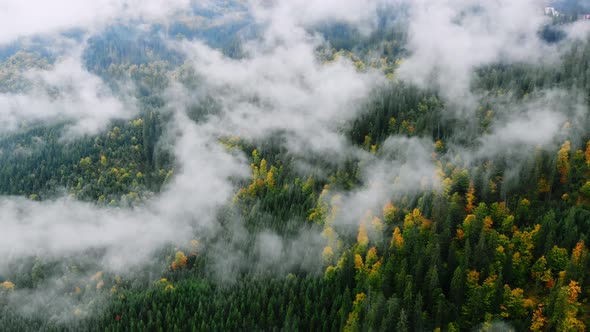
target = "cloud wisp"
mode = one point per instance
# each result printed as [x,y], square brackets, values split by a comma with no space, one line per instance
[65,92]
[33,17]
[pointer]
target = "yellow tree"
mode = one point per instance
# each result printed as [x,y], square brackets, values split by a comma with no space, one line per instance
[570,321]
[563,164]
[352,324]
[538,321]
[7,285]
[362,238]
[327,254]
[578,252]
[180,260]
[397,240]
[539,271]
[389,212]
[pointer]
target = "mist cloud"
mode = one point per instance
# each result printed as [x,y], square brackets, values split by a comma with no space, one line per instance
[33,17]
[449,39]
[65,92]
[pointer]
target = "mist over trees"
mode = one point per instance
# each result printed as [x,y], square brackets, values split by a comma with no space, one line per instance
[292,165]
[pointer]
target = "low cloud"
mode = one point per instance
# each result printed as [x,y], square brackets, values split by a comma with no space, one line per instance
[65,92]
[404,167]
[448,40]
[37,17]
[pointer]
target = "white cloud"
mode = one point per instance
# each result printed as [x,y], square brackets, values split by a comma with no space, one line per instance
[82,100]
[30,17]
[449,39]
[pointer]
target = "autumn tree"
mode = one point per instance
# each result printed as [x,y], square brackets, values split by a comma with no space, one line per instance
[563,163]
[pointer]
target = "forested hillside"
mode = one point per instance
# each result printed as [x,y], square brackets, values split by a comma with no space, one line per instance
[233,165]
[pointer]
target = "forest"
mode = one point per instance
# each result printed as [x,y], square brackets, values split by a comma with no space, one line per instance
[325,176]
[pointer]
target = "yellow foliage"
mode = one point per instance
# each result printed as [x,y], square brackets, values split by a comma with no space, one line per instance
[416,214]
[85,162]
[97,276]
[100,284]
[371,256]
[414,218]
[439,145]
[573,290]
[389,212]
[577,252]
[255,156]
[460,234]
[360,297]
[308,185]
[179,260]
[375,268]
[543,186]
[360,66]
[539,320]
[137,122]
[353,316]
[397,240]
[377,224]
[362,237]
[358,262]
[329,234]
[472,278]
[439,174]
[488,223]
[263,168]
[563,164]
[469,220]
[367,141]
[255,170]
[392,122]
[328,254]
[7,285]
[330,271]
[270,180]
[341,262]
[516,258]
[571,323]
[492,186]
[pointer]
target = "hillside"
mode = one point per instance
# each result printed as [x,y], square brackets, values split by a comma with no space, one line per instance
[287,165]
